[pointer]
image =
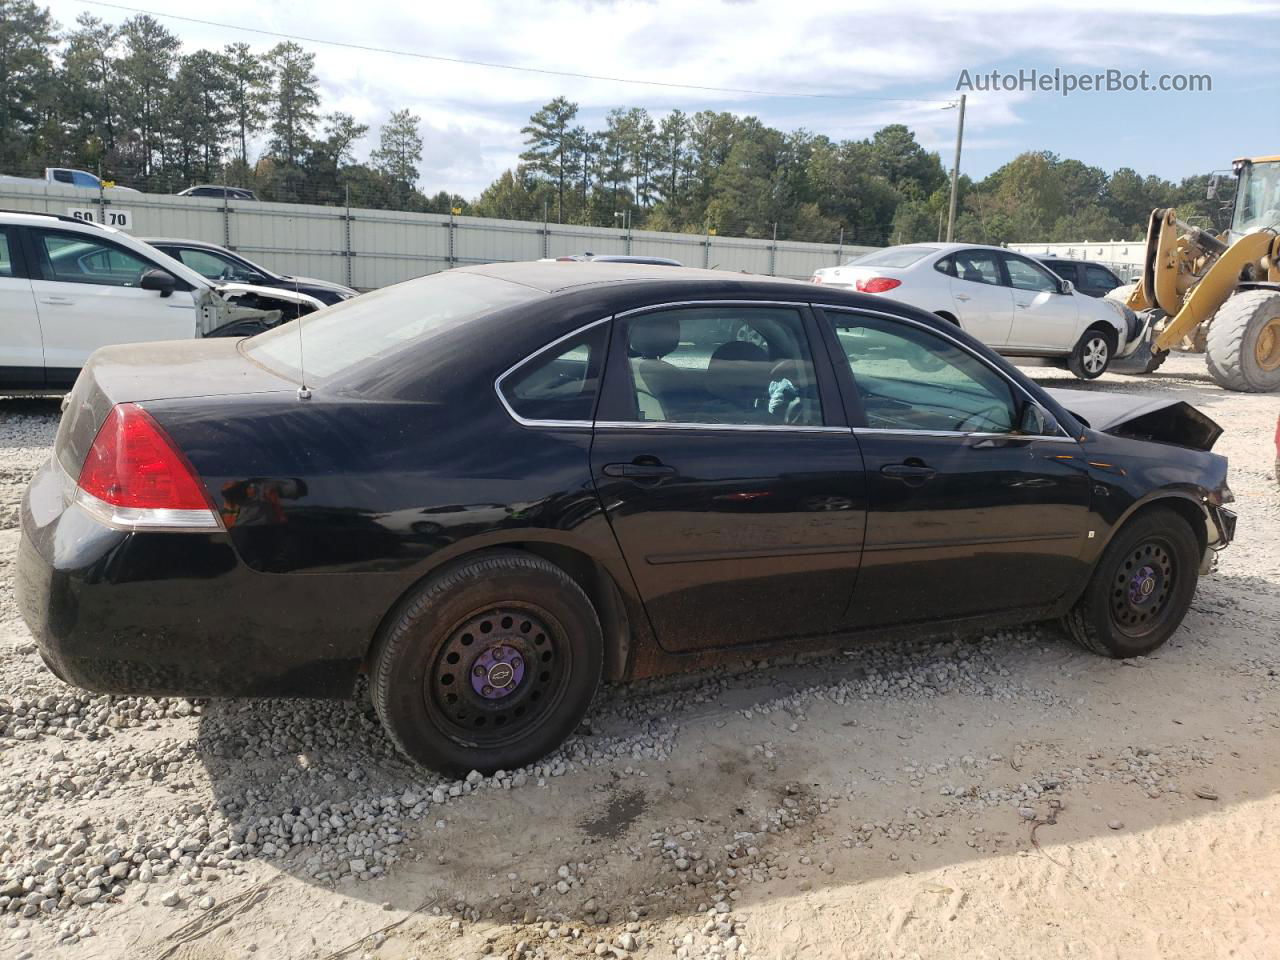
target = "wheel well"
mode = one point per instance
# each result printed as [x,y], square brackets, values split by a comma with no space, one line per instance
[1184,508]
[596,582]
[1106,328]
[603,592]
[950,318]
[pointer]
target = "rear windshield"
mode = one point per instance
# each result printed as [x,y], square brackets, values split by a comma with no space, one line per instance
[894,257]
[378,324]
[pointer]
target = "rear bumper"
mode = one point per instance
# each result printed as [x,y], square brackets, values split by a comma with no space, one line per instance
[178,614]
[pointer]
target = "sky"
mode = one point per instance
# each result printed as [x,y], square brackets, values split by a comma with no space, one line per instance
[869,63]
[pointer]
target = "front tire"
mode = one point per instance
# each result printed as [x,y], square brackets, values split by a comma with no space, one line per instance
[1140,589]
[1092,355]
[488,665]
[1242,349]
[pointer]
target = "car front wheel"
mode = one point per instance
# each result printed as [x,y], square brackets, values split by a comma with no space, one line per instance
[489,665]
[1092,355]
[1141,588]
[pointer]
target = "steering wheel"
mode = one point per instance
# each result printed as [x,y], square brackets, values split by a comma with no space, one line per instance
[984,421]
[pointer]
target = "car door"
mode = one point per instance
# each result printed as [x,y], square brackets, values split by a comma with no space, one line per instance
[1044,318]
[731,482]
[21,349]
[977,502]
[983,302]
[88,296]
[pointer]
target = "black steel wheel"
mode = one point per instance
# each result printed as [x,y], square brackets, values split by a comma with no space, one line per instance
[498,674]
[1141,587]
[488,665]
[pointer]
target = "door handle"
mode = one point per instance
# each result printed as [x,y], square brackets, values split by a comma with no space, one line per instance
[58,301]
[639,471]
[963,296]
[912,474]
[1021,304]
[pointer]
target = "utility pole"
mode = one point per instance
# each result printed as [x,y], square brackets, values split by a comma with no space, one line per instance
[955,175]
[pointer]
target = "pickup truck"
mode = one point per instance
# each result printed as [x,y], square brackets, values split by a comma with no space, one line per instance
[68,178]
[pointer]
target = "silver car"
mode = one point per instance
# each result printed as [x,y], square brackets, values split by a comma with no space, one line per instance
[1009,302]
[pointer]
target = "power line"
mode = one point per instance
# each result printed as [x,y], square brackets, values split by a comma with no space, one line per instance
[505,66]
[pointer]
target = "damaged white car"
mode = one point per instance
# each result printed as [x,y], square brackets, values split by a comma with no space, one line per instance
[68,287]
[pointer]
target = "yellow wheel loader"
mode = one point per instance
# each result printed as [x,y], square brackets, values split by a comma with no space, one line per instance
[1221,293]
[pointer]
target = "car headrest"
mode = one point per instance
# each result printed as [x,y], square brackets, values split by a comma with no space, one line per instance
[738,372]
[654,337]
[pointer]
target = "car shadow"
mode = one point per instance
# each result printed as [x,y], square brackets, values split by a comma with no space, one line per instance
[874,758]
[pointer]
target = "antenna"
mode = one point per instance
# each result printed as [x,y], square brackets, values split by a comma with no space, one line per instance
[304,392]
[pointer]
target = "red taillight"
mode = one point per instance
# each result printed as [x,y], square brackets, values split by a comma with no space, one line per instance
[134,476]
[877,284]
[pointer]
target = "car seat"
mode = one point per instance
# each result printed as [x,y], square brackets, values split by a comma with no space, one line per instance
[738,380]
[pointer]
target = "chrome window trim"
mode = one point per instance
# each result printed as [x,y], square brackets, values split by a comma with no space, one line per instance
[737,427]
[982,435]
[526,421]
[731,302]
[946,336]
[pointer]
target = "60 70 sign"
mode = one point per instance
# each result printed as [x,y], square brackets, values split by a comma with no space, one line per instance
[111,216]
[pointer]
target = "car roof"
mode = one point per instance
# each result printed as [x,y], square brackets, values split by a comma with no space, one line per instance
[36,218]
[557,276]
[185,243]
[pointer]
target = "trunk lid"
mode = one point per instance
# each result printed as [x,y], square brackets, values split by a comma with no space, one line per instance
[141,372]
[1141,418]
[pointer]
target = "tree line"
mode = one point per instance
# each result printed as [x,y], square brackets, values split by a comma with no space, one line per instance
[126,101]
[715,171]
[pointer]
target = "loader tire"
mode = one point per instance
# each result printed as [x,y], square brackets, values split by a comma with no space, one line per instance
[1242,350]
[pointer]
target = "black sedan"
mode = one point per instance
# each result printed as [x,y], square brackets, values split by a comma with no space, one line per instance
[520,480]
[227,266]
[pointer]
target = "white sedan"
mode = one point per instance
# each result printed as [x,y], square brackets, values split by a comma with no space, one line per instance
[1006,300]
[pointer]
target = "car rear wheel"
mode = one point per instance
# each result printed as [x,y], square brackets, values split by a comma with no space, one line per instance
[1092,355]
[489,665]
[1141,588]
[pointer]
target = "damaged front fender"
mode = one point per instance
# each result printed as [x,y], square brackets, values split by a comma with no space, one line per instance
[244,306]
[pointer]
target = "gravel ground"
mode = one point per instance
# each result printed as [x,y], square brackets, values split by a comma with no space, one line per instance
[1005,795]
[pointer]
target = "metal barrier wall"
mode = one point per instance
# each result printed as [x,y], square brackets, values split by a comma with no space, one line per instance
[372,248]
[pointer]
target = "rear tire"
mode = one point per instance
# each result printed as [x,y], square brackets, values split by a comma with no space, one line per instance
[1242,350]
[1140,589]
[488,665]
[1092,355]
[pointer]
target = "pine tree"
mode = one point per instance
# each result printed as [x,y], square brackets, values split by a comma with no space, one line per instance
[250,93]
[547,137]
[294,101]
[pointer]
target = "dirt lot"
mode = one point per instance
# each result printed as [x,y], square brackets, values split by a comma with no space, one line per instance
[1003,796]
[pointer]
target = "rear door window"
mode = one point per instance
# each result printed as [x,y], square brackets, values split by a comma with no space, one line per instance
[720,365]
[978,266]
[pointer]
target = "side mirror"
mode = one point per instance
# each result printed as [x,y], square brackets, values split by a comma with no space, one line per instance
[1212,192]
[1065,287]
[161,281]
[1038,422]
